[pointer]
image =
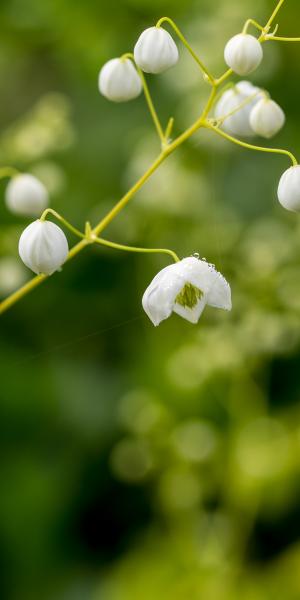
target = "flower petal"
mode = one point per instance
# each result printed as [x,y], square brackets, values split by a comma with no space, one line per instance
[191,314]
[205,276]
[159,298]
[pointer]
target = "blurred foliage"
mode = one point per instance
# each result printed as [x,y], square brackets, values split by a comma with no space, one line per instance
[142,463]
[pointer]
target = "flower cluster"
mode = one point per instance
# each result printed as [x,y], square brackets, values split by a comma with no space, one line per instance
[239,110]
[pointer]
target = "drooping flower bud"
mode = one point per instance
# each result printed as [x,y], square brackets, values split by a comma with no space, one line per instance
[155,50]
[267,118]
[43,247]
[25,195]
[238,122]
[119,80]
[243,53]
[289,189]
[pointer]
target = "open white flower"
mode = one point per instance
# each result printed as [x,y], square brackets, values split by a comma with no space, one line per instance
[243,53]
[185,288]
[155,50]
[238,123]
[25,195]
[119,80]
[43,247]
[267,118]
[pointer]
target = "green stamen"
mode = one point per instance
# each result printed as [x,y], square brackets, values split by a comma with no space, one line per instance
[189,296]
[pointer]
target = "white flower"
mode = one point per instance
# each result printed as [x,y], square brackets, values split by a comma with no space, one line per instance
[238,123]
[119,80]
[185,288]
[267,118]
[243,53]
[155,50]
[43,247]
[289,189]
[26,195]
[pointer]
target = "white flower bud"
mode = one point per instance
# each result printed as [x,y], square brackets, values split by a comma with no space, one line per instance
[26,195]
[289,189]
[155,50]
[243,53]
[119,80]
[238,123]
[43,247]
[267,118]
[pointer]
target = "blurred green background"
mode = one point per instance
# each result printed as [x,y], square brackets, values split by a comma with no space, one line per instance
[142,463]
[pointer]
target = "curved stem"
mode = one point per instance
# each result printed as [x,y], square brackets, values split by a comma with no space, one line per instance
[50,211]
[187,45]
[254,23]
[251,146]
[109,244]
[148,98]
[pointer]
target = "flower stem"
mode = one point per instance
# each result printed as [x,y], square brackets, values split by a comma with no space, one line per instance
[187,45]
[148,99]
[250,146]
[273,15]
[50,211]
[109,244]
[276,38]
[254,23]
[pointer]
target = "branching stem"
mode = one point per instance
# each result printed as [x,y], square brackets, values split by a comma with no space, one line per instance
[91,235]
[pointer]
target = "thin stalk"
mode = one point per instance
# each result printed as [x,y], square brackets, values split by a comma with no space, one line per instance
[273,15]
[276,38]
[187,45]
[109,244]
[148,99]
[254,23]
[234,140]
[50,211]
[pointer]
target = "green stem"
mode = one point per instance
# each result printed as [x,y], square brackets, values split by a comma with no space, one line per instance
[50,211]
[148,98]
[109,244]
[276,38]
[254,23]
[273,15]
[169,128]
[251,146]
[187,45]
[223,77]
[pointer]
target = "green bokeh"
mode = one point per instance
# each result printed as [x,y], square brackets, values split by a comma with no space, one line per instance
[143,463]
